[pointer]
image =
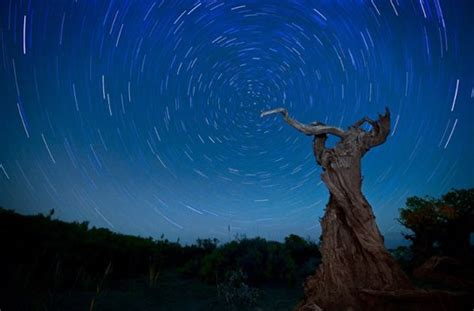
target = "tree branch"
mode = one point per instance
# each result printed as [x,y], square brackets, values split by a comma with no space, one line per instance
[368,120]
[319,147]
[306,129]
[380,130]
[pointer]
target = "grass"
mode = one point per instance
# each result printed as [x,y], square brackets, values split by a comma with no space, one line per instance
[171,292]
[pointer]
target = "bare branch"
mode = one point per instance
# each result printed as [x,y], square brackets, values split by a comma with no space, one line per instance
[273,111]
[380,131]
[306,129]
[319,147]
[366,119]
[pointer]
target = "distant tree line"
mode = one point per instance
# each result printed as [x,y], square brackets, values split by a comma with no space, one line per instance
[260,260]
[41,252]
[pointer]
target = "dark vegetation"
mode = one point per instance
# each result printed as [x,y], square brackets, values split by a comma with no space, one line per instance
[441,254]
[440,226]
[44,259]
[48,264]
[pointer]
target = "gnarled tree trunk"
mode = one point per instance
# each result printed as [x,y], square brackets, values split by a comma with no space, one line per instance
[353,254]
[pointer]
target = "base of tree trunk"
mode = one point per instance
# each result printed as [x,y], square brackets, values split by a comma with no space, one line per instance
[353,257]
[402,300]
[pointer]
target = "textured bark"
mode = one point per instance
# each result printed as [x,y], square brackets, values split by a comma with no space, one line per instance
[416,300]
[353,254]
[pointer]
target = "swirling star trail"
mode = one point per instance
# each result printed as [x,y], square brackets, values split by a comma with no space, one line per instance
[144,116]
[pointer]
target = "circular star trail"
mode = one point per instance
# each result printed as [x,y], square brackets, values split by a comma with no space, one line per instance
[144,116]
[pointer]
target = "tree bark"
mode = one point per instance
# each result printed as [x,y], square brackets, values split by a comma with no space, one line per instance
[353,254]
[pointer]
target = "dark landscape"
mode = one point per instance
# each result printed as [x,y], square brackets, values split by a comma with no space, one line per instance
[48,264]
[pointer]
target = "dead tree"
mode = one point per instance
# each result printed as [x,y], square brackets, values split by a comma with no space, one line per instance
[354,258]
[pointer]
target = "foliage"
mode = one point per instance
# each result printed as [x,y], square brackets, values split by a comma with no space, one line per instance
[440,226]
[42,253]
[404,256]
[261,260]
[235,293]
[301,249]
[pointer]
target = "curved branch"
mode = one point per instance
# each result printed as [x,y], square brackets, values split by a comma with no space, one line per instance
[368,120]
[380,130]
[306,129]
[319,147]
[283,111]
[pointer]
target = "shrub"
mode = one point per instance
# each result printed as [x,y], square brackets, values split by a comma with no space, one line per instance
[235,293]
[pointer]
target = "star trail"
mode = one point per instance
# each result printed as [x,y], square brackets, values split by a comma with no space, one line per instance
[144,116]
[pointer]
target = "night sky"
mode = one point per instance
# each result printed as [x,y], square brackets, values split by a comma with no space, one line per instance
[144,116]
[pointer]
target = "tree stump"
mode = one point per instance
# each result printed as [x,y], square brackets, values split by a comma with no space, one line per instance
[354,257]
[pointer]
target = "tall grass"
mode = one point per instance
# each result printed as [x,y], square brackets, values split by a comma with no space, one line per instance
[100,286]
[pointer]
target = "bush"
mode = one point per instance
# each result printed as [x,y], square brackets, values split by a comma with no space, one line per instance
[262,261]
[48,253]
[235,293]
[440,226]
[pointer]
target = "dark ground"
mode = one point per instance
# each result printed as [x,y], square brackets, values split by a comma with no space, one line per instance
[172,292]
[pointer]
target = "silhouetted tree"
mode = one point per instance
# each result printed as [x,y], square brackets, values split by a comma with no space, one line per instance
[440,226]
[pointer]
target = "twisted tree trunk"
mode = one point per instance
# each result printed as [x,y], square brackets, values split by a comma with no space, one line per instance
[353,254]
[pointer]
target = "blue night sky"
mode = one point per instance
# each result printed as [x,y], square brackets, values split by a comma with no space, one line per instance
[143,116]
